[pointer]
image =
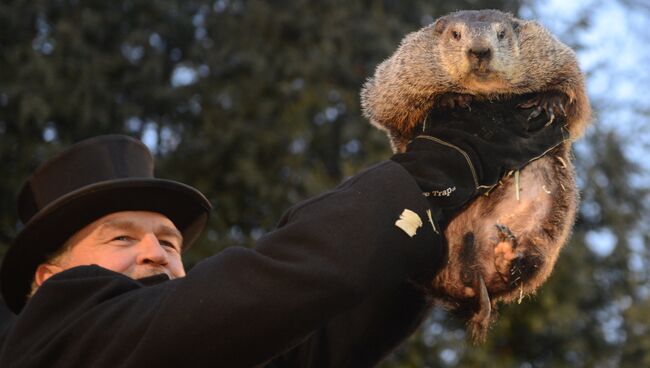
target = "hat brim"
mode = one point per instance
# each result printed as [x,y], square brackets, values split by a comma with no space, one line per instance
[185,206]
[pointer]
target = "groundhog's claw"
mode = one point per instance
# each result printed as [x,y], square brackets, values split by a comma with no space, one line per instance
[551,103]
[505,235]
[453,100]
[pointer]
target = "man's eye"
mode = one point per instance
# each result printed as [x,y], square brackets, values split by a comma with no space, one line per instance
[168,244]
[121,238]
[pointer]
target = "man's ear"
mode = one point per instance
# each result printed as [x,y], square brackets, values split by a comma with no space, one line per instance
[44,271]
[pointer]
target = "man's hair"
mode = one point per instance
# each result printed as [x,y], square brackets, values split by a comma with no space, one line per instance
[52,258]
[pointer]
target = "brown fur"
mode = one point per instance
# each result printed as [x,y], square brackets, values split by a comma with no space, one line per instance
[511,244]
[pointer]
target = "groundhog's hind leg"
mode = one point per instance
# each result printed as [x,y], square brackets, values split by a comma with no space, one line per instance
[514,258]
[505,251]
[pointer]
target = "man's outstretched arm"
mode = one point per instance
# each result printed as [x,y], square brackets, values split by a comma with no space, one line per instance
[242,307]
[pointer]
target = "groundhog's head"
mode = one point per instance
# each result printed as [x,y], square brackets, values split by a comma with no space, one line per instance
[479,55]
[468,52]
[479,49]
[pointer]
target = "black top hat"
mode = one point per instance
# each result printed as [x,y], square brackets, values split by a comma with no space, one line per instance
[89,180]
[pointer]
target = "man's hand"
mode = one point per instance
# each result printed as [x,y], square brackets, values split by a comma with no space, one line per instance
[463,153]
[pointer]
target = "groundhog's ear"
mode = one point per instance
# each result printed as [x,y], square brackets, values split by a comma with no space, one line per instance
[516,25]
[440,25]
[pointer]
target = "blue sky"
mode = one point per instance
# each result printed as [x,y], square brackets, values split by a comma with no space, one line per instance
[612,50]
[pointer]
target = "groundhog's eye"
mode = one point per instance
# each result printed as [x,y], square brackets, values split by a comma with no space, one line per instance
[456,35]
[501,35]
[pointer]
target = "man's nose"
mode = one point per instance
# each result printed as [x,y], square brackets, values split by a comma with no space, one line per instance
[150,251]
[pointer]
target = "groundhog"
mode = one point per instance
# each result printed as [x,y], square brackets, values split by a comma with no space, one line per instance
[503,245]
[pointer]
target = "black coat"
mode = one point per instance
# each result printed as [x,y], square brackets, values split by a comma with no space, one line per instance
[328,288]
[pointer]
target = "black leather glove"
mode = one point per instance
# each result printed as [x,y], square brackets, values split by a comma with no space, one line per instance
[463,153]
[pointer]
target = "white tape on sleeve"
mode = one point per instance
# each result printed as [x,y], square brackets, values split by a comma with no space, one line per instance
[409,222]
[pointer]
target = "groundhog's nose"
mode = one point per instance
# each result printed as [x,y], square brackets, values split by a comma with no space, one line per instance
[480,53]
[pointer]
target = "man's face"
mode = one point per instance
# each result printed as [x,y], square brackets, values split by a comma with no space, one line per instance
[135,243]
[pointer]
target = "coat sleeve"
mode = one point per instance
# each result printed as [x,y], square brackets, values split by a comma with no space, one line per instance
[244,307]
[328,256]
[364,335]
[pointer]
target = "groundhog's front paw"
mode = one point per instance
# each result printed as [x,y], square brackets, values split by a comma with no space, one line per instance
[453,100]
[551,103]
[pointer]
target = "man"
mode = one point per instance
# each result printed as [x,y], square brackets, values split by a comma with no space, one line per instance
[337,284]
